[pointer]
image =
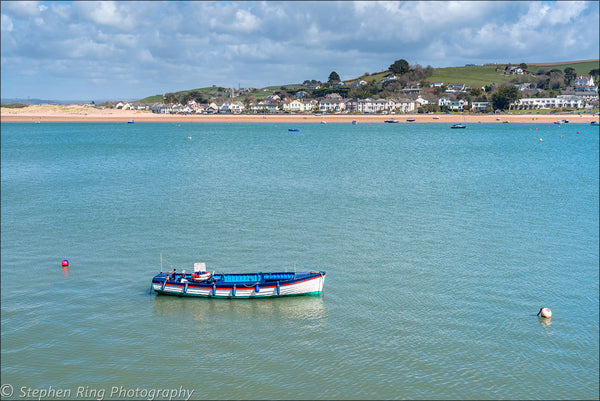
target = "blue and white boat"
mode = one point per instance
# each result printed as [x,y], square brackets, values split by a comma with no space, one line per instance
[239,285]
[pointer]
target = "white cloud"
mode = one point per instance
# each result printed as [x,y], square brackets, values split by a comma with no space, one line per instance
[6,23]
[191,44]
[23,9]
[245,21]
[108,13]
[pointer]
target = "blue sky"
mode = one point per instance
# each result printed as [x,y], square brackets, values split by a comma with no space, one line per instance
[130,50]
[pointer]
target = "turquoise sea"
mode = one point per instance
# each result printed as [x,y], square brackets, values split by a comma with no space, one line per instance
[440,247]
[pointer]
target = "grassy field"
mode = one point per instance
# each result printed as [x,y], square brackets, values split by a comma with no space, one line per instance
[471,76]
[581,68]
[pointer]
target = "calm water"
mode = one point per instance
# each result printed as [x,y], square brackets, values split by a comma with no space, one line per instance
[440,247]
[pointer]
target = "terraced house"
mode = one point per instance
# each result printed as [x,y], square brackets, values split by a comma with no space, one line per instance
[534,103]
[299,105]
[333,102]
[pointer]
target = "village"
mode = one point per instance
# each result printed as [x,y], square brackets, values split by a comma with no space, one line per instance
[438,97]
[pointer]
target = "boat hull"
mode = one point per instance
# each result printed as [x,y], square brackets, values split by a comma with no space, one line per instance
[255,285]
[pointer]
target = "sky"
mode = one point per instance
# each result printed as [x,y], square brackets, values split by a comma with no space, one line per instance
[126,50]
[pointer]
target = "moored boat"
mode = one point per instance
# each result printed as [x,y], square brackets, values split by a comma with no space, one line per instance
[410,120]
[392,121]
[458,126]
[238,285]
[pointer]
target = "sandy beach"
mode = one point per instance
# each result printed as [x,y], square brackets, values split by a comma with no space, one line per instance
[81,113]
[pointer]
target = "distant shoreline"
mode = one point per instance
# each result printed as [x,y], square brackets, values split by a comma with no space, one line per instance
[79,113]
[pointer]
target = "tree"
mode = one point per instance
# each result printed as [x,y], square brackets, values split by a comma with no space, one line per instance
[333,77]
[248,100]
[440,90]
[476,92]
[170,98]
[502,99]
[570,75]
[595,73]
[523,66]
[197,96]
[400,67]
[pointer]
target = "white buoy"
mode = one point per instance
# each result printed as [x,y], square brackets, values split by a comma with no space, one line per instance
[545,313]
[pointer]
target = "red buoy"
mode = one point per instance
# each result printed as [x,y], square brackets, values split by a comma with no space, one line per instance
[65,263]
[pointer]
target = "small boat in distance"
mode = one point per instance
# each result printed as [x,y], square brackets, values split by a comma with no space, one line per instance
[294,129]
[130,122]
[392,121]
[354,122]
[594,123]
[410,120]
[201,283]
[459,125]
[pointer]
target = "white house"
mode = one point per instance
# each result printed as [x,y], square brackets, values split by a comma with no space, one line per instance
[370,105]
[298,105]
[161,108]
[585,84]
[332,104]
[389,77]
[269,106]
[421,101]
[405,105]
[534,103]
[452,104]
[454,88]
[480,106]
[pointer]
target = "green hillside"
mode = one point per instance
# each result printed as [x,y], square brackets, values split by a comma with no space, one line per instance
[480,75]
[486,74]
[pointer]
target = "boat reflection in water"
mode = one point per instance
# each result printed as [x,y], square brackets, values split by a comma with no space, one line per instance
[287,308]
